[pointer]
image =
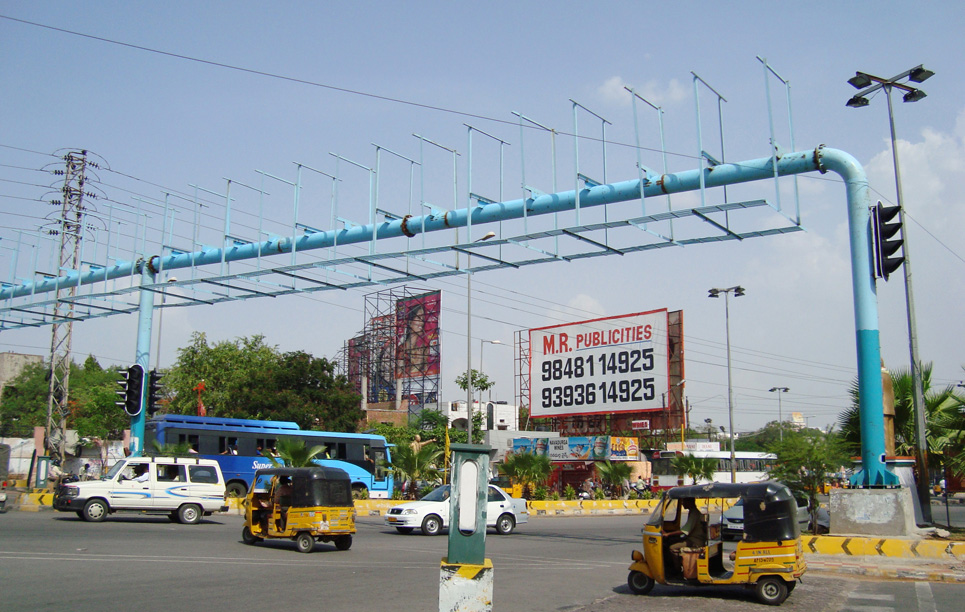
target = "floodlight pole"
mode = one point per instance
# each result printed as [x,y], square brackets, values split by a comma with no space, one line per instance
[469,337]
[780,415]
[738,291]
[917,75]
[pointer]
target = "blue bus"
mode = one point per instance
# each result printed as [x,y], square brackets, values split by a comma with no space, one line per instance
[237,444]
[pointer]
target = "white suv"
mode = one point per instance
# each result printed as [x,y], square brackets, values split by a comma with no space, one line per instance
[184,488]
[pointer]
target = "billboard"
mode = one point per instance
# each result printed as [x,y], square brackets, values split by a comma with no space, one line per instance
[613,364]
[417,335]
[580,448]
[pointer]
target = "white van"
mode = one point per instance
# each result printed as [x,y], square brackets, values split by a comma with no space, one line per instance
[184,488]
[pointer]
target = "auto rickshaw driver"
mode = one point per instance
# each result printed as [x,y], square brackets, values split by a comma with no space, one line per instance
[693,537]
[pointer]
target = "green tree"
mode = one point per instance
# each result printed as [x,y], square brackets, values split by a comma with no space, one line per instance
[697,468]
[939,404]
[294,453]
[480,382]
[614,473]
[246,378]
[806,460]
[411,465]
[91,397]
[760,440]
[527,469]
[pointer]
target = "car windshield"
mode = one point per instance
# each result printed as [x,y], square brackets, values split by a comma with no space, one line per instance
[117,467]
[438,494]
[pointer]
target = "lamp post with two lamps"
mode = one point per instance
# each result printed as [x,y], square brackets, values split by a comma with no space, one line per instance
[469,336]
[868,84]
[738,291]
[780,416]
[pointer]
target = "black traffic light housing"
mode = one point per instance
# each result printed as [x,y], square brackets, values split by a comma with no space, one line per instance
[131,385]
[889,238]
[153,392]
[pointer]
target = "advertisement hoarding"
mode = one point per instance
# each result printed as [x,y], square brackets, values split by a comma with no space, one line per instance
[613,364]
[417,336]
[580,448]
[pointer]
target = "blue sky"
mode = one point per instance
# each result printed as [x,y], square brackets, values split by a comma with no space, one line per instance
[364,73]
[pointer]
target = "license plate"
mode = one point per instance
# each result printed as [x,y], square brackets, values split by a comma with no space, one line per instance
[392,519]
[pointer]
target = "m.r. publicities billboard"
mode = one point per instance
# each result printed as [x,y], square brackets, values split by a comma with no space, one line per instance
[613,364]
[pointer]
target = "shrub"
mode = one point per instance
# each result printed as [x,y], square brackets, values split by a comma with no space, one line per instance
[540,493]
[599,494]
[555,496]
[569,493]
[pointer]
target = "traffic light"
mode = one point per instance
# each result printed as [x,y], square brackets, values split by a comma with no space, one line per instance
[887,226]
[131,385]
[153,392]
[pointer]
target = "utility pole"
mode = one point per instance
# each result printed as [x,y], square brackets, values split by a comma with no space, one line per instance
[70,228]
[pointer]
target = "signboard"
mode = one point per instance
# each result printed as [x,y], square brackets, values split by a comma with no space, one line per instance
[613,364]
[694,446]
[643,424]
[417,336]
[580,448]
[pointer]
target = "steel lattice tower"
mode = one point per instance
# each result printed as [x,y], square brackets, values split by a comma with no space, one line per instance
[69,227]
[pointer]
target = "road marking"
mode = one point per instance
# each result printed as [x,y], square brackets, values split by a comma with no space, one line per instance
[874,596]
[926,599]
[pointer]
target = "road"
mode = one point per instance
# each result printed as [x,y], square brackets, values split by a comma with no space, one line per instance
[53,561]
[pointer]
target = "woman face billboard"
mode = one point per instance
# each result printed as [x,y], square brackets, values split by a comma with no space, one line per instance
[417,336]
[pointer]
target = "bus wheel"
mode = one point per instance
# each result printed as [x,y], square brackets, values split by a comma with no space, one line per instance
[236,489]
[771,591]
[305,542]
[343,542]
[639,583]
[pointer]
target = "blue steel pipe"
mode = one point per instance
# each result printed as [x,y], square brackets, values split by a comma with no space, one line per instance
[874,471]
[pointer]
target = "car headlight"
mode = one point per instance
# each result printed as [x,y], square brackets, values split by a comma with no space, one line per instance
[69,491]
[410,511]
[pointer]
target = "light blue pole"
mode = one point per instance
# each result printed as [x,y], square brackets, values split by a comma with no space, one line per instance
[143,359]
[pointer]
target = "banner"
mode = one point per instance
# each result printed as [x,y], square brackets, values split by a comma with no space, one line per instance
[614,364]
[580,448]
[417,336]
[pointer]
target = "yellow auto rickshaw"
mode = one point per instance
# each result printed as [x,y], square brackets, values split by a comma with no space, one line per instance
[769,558]
[301,504]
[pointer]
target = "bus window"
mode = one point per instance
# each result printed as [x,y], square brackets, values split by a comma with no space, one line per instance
[265,444]
[338,451]
[191,440]
[227,445]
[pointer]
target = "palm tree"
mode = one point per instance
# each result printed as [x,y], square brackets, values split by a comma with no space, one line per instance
[939,406]
[413,464]
[698,468]
[527,469]
[294,453]
[614,473]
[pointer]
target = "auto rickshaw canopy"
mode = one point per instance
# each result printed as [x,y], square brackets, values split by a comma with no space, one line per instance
[770,511]
[314,486]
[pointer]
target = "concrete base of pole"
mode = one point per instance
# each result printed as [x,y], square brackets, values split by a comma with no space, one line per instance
[465,588]
[874,512]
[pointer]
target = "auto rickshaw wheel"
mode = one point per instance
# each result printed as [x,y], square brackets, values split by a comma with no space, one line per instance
[639,583]
[305,542]
[771,591]
[343,542]
[247,537]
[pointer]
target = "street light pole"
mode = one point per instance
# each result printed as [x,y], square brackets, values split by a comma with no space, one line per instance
[469,336]
[481,344]
[738,291]
[863,81]
[160,320]
[780,415]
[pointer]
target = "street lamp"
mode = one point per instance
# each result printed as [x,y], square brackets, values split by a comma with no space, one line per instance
[469,335]
[863,81]
[481,344]
[738,291]
[780,416]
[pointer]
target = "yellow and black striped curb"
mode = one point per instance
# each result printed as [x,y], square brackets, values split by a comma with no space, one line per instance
[858,546]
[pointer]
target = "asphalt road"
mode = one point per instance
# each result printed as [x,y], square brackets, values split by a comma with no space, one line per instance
[54,561]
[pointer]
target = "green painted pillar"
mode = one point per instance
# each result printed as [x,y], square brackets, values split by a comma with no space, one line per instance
[467,506]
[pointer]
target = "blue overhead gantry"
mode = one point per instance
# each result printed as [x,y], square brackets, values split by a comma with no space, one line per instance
[21,305]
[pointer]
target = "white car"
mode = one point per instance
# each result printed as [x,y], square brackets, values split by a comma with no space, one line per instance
[431,513]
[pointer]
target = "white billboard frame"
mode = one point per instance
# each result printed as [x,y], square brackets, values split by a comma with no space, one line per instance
[618,364]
